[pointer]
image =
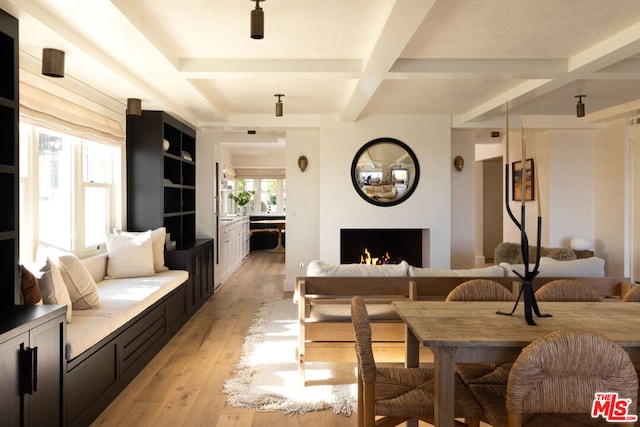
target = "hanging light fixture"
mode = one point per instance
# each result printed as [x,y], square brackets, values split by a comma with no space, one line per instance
[134,107]
[279,105]
[580,106]
[52,62]
[257,21]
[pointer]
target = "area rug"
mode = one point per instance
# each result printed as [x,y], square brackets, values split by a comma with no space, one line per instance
[267,376]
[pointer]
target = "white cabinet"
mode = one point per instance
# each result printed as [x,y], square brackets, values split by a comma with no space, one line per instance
[234,244]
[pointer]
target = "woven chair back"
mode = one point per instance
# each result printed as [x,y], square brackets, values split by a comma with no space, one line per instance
[632,295]
[480,290]
[362,327]
[561,372]
[567,290]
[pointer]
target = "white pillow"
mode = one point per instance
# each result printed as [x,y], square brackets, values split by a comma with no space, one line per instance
[83,290]
[491,271]
[52,287]
[320,268]
[580,244]
[129,257]
[157,240]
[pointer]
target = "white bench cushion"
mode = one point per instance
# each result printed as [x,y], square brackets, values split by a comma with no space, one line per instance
[120,301]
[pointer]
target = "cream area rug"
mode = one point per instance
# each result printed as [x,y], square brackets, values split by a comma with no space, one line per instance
[267,376]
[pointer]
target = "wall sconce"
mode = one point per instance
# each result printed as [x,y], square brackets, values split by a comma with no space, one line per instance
[458,163]
[580,106]
[303,162]
[52,62]
[279,105]
[257,21]
[134,107]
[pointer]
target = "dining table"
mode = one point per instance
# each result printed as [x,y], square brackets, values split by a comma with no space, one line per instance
[473,332]
[279,224]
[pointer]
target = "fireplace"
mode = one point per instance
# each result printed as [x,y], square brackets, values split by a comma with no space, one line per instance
[387,245]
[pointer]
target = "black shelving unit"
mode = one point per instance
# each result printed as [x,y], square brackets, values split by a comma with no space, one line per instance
[161,176]
[9,176]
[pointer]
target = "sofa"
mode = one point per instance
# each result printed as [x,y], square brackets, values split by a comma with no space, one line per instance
[122,307]
[323,297]
[381,191]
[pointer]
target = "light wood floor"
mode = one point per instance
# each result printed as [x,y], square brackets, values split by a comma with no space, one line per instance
[182,385]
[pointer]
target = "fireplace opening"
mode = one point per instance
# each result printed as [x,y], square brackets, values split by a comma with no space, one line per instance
[384,245]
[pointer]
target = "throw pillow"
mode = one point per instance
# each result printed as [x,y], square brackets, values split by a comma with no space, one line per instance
[129,257]
[52,286]
[29,287]
[157,240]
[83,290]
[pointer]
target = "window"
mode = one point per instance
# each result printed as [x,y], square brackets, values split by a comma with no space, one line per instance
[270,195]
[69,191]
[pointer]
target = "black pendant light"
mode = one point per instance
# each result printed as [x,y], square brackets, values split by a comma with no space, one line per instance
[257,21]
[279,105]
[580,106]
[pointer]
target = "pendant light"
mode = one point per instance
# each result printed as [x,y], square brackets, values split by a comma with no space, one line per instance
[279,105]
[257,21]
[134,107]
[580,106]
[52,62]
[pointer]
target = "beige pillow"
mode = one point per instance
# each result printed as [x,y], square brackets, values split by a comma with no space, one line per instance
[157,240]
[83,290]
[129,257]
[52,287]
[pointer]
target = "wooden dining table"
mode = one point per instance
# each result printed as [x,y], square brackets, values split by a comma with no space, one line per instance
[472,332]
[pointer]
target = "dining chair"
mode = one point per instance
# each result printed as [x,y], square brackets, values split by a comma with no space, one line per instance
[488,374]
[632,295]
[480,290]
[554,380]
[398,394]
[566,290]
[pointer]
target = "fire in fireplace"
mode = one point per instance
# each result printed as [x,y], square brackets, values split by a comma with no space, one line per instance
[381,246]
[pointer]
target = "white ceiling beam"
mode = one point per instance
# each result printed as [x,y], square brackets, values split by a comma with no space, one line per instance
[583,65]
[96,52]
[259,68]
[402,22]
[500,68]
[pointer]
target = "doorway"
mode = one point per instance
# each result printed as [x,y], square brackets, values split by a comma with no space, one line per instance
[492,206]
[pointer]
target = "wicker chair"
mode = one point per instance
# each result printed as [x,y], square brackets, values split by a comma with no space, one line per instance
[566,290]
[632,295]
[554,380]
[480,290]
[486,374]
[398,394]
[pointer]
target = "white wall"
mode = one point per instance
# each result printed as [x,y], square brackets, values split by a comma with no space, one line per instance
[429,206]
[463,201]
[610,225]
[303,204]
[569,183]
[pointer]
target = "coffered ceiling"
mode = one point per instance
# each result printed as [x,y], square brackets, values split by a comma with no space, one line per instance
[348,58]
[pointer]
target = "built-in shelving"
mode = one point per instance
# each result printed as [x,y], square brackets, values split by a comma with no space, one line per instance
[161,176]
[9,177]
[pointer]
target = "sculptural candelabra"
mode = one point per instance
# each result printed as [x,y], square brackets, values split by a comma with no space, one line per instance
[526,290]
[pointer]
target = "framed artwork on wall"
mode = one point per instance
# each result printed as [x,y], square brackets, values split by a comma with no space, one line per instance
[517,181]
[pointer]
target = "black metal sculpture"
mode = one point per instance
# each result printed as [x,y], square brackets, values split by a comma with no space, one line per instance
[526,289]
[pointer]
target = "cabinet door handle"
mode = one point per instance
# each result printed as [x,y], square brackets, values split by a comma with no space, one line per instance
[29,369]
[35,368]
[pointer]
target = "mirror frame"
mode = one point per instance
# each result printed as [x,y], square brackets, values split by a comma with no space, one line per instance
[356,180]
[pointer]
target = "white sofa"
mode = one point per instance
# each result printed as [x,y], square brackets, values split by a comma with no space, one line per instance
[549,267]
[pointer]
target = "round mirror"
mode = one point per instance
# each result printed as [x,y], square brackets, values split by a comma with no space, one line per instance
[385,172]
